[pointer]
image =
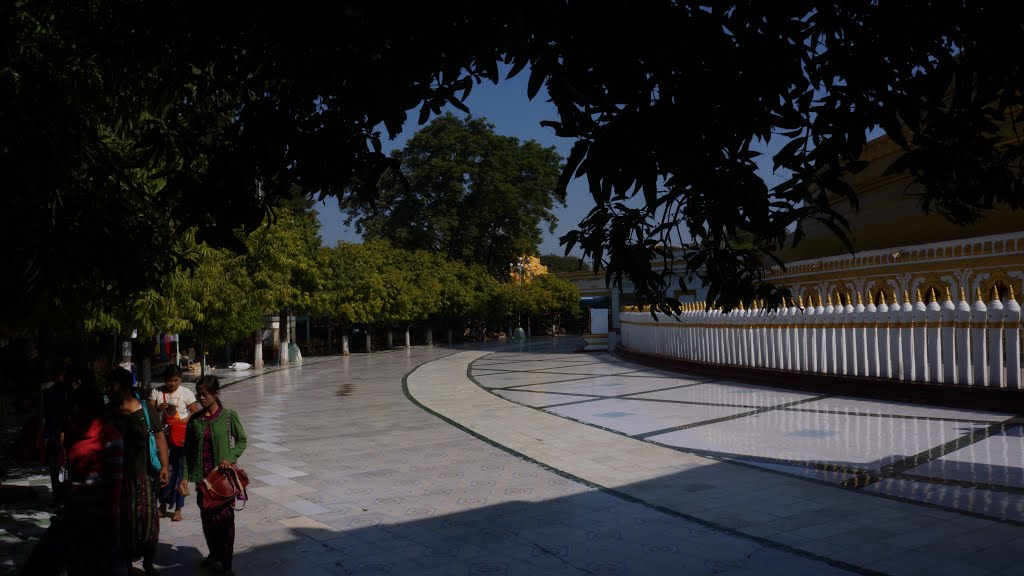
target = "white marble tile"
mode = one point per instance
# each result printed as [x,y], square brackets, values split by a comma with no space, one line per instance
[716,393]
[636,417]
[269,447]
[858,441]
[305,507]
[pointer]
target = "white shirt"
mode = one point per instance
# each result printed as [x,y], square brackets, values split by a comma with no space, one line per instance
[181,399]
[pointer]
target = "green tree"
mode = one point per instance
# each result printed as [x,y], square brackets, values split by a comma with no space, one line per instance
[544,297]
[283,264]
[464,191]
[213,120]
[467,291]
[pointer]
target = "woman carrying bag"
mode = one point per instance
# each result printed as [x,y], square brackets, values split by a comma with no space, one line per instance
[145,456]
[175,403]
[208,447]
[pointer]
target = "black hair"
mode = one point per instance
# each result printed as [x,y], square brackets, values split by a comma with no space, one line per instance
[171,371]
[212,385]
[88,400]
[122,377]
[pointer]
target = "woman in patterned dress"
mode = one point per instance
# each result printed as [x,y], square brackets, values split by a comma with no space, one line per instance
[140,525]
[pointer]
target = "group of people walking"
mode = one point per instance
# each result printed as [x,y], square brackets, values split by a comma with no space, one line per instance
[122,460]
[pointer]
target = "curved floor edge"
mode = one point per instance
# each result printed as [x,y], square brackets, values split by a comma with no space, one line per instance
[421,385]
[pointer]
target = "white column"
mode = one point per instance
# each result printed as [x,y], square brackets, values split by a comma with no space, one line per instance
[996,378]
[713,318]
[768,336]
[807,337]
[701,335]
[934,341]
[782,337]
[829,341]
[748,335]
[850,344]
[895,337]
[947,313]
[742,345]
[811,335]
[684,318]
[860,336]
[884,369]
[906,338]
[1012,326]
[819,336]
[920,320]
[795,321]
[732,337]
[871,336]
[979,326]
[757,345]
[962,329]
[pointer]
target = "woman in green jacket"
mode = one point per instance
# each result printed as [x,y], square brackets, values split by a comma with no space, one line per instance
[207,446]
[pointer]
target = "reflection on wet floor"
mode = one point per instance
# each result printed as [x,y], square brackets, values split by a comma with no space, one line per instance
[345,389]
[970,461]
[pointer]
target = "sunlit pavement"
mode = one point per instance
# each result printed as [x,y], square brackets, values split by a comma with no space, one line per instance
[411,463]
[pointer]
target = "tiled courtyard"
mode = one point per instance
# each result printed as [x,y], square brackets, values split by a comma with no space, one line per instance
[537,460]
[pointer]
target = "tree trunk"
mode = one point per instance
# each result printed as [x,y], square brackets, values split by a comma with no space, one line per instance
[450,336]
[344,342]
[369,343]
[391,339]
[147,373]
[257,350]
[430,336]
[283,329]
[529,328]
[408,341]
[202,354]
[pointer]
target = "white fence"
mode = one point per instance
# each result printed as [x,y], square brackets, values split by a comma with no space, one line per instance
[946,342]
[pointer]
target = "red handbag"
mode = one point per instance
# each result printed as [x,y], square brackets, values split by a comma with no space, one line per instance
[222,487]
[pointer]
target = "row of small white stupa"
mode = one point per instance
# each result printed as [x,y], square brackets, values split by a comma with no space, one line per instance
[942,342]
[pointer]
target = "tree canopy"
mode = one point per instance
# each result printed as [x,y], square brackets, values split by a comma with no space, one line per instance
[460,189]
[125,124]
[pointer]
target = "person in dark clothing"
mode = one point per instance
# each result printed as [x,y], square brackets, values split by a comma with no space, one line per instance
[140,525]
[56,408]
[95,453]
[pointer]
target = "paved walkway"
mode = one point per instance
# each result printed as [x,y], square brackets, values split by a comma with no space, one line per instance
[354,472]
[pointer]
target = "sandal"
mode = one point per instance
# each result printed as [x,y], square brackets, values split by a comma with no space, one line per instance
[209,561]
[177,516]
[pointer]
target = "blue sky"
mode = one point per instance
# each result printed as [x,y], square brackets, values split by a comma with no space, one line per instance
[506,106]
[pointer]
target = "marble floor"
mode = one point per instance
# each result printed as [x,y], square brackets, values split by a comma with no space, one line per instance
[968,461]
[535,460]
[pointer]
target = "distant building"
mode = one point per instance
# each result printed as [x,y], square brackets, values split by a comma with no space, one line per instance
[900,248]
[595,293]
